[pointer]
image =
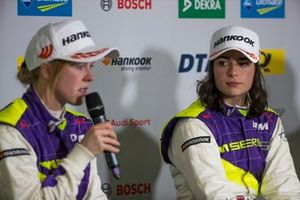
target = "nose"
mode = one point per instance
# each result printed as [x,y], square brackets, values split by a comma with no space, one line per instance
[233,69]
[89,73]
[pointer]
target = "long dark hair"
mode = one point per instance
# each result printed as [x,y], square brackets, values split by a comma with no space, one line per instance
[212,98]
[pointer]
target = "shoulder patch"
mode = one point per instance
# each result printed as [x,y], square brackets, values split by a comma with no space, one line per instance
[13,152]
[193,110]
[275,111]
[76,113]
[193,141]
[13,112]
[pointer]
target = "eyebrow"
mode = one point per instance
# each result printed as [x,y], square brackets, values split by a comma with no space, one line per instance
[80,63]
[240,58]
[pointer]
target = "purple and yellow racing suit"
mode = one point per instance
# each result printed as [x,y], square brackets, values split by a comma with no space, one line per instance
[225,155]
[40,155]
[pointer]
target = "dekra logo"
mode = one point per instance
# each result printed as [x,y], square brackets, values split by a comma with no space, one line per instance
[75,37]
[234,37]
[201,5]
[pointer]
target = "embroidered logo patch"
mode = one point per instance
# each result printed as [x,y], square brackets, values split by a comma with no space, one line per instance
[13,152]
[196,140]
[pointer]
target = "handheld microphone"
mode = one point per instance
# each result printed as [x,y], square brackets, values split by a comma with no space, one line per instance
[96,110]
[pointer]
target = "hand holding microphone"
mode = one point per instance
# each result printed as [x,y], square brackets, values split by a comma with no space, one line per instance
[101,137]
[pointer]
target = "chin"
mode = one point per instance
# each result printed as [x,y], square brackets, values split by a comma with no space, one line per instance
[77,102]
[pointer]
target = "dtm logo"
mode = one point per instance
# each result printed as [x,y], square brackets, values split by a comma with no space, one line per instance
[188,61]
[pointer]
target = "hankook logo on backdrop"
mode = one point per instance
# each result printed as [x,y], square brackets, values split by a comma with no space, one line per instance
[262,8]
[201,8]
[130,63]
[45,7]
[106,5]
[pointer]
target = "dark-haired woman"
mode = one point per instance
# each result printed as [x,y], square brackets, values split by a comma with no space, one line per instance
[228,144]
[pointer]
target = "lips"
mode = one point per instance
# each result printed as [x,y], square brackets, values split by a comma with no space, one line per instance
[233,84]
[83,91]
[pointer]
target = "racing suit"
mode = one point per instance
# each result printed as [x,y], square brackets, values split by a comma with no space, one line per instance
[225,155]
[40,155]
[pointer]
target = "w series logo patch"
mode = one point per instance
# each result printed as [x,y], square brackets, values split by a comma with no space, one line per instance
[193,141]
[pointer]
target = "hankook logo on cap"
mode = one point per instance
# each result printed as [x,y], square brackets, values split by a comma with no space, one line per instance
[74,37]
[234,37]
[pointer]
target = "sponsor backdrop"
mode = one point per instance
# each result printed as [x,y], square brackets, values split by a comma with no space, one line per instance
[164,46]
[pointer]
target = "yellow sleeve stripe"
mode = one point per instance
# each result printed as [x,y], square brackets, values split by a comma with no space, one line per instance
[76,113]
[52,164]
[13,112]
[192,111]
[41,176]
[240,176]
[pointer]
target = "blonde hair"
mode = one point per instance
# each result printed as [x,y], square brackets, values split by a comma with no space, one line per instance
[27,77]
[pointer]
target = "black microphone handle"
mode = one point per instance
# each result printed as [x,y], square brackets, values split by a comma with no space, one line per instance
[111,158]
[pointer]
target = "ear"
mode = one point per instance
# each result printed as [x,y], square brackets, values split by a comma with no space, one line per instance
[45,71]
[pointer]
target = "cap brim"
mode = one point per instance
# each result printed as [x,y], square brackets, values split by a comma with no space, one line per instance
[251,56]
[92,54]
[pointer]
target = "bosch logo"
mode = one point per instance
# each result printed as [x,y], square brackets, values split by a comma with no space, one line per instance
[134,189]
[135,4]
[106,5]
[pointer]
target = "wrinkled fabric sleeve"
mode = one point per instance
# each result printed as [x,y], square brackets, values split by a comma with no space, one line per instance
[19,174]
[200,164]
[280,181]
[94,190]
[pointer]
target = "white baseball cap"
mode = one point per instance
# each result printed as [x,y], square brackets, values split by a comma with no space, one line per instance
[66,40]
[235,38]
